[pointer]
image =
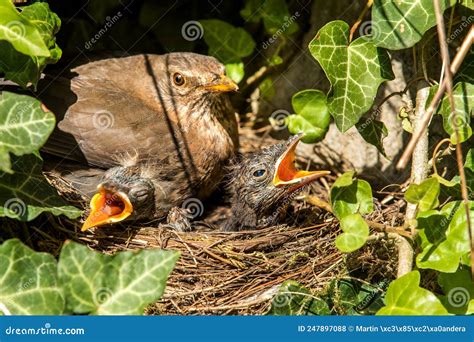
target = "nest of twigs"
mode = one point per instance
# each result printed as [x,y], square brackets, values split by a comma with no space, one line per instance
[238,272]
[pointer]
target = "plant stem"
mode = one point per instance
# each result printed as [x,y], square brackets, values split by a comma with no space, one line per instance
[360,18]
[460,55]
[419,171]
[374,225]
[449,89]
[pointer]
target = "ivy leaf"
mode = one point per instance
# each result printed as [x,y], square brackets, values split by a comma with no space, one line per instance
[356,232]
[351,196]
[424,194]
[25,68]
[400,24]
[26,193]
[122,284]
[267,89]
[24,126]
[444,237]
[355,71]
[294,299]
[227,43]
[406,297]
[28,285]
[373,131]
[20,32]
[352,297]
[458,289]
[312,115]
[235,71]
[461,119]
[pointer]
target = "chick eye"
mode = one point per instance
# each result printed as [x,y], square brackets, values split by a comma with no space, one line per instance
[259,174]
[178,79]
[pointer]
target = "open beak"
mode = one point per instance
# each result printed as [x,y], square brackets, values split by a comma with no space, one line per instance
[107,207]
[222,85]
[286,172]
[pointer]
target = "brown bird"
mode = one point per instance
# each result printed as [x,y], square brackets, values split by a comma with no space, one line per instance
[263,184]
[144,132]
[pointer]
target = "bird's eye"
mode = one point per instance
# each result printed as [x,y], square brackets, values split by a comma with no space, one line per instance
[178,79]
[259,174]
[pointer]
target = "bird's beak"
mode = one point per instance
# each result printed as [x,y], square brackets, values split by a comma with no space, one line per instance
[107,207]
[222,85]
[286,172]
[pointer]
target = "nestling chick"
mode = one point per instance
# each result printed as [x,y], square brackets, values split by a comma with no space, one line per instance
[263,184]
[145,133]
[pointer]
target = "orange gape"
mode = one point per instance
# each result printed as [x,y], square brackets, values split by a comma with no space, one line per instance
[107,207]
[286,172]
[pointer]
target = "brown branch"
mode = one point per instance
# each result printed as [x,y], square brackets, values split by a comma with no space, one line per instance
[360,18]
[449,88]
[460,55]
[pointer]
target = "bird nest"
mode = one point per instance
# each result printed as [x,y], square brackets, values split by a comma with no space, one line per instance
[237,272]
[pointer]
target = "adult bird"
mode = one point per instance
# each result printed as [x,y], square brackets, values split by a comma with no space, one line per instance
[141,134]
[263,184]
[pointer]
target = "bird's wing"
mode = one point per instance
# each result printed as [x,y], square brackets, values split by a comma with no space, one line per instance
[104,125]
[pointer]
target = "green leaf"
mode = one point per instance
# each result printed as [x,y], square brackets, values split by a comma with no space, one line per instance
[294,299]
[469,163]
[400,24]
[312,115]
[20,32]
[406,297]
[24,126]
[463,94]
[122,284]
[352,297]
[28,282]
[267,89]
[275,15]
[227,43]
[356,232]
[444,237]
[26,193]
[235,71]
[351,196]
[373,131]
[25,68]
[458,289]
[355,71]
[424,194]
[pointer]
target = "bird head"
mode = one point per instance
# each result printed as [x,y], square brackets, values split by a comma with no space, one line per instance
[266,179]
[192,75]
[119,197]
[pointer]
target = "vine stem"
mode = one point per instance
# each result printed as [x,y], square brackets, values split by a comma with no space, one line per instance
[419,171]
[360,18]
[449,89]
[460,55]
[375,225]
